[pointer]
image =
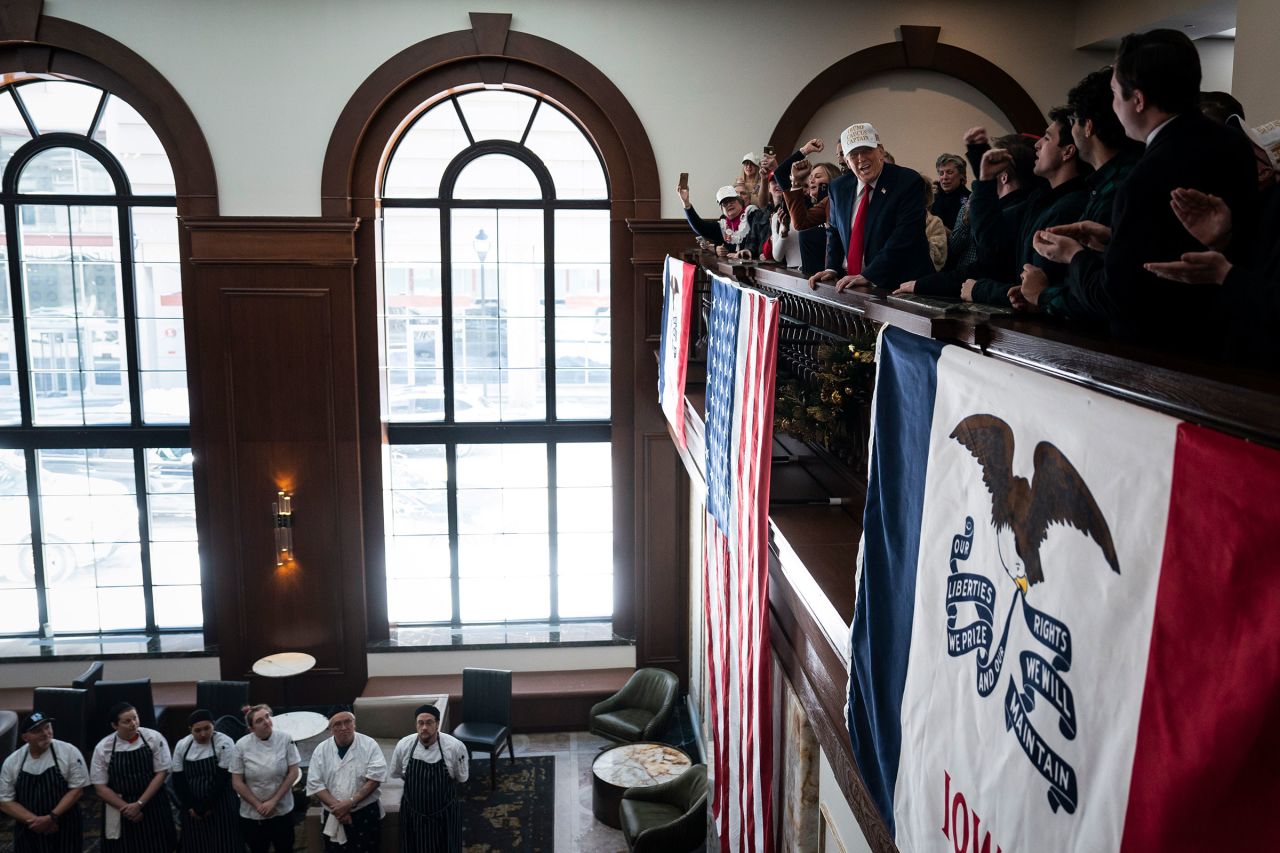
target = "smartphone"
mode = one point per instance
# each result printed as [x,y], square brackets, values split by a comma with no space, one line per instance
[768,149]
[684,181]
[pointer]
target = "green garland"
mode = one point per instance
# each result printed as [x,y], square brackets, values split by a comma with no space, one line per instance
[822,415]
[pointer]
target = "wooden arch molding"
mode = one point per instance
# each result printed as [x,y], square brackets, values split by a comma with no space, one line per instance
[492,54]
[921,50]
[39,44]
[495,55]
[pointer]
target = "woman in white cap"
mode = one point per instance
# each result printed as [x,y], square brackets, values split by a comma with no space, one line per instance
[40,788]
[750,175]
[741,230]
[128,770]
[202,780]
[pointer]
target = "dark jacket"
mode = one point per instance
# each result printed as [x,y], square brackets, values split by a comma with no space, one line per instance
[1190,151]
[1046,207]
[894,245]
[1000,255]
[1252,294]
[756,232]
[946,205]
[1106,182]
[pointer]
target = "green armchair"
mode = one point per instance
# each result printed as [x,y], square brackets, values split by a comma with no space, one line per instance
[640,710]
[667,818]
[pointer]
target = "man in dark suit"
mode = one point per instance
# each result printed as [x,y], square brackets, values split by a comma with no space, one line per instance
[876,216]
[1155,86]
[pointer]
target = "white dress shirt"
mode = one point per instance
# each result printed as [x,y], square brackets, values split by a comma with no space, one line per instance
[112,743]
[70,763]
[409,747]
[1159,127]
[263,764]
[187,749]
[342,777]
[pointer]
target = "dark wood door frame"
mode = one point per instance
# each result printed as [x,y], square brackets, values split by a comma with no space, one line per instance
[490,53]
[918,50]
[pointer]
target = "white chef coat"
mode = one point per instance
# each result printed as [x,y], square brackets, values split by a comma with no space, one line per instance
[455,756]
[70,763]
[160,756]
[223,745]
[342,777]
[264,763]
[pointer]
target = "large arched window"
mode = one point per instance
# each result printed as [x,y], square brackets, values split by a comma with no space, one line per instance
[495,342]
[97,519]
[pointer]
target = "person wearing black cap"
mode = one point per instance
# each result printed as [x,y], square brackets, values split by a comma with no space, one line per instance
[128,770]
[432,765]
[202,781]
[40,788]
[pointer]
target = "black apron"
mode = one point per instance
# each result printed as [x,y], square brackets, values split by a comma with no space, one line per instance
[430,813]
[129,774]
[220,831]
[39,794]
[364,833]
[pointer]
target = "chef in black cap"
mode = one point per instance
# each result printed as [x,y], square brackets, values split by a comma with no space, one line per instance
[40,788]
[202,780]
[432,765]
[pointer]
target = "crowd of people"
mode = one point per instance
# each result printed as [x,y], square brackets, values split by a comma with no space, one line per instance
[1142,197]
[231,795]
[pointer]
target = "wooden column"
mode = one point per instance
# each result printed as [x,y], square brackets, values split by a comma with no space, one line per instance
[272,302]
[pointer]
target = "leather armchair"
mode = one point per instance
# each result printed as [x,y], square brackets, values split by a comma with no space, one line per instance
[670,817]
[222,698]
[640,710]
[71,709]
[136,692]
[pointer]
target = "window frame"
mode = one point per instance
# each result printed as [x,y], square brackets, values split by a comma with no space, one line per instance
[448,432]
[135,435]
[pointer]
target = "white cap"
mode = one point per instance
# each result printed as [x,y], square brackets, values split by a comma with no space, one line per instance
[725,193]
[859,136]
[749,157]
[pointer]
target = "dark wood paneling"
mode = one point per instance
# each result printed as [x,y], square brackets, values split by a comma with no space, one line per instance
[662,635]
[275,321]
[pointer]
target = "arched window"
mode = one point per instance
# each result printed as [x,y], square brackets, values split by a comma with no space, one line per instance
[495,343]
[97,518]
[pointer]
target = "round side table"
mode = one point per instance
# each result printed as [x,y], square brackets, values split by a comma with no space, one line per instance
[284,665]
[631,765]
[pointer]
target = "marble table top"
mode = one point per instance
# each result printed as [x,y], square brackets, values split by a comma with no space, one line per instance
[283,664]
[301,725]
[640,764]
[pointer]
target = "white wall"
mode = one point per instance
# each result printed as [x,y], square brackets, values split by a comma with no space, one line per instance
[267,81]
[952,107]
[1254,77]
[62,673]
[516,660]
[1217,61]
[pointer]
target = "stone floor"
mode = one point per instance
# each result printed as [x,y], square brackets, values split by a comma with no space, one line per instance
[576,828]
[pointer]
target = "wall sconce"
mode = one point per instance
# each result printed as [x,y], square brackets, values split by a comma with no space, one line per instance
[282,509]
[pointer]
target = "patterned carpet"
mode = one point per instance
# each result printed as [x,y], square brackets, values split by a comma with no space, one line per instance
[518,816]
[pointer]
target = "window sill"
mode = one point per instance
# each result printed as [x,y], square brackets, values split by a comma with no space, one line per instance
[104,647]
[440,638]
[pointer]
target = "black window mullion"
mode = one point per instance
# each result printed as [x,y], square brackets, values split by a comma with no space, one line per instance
[144,531]
[553,536]
[75,309]
[22,111]
[466,128]
[446,310]
[128,293]
[37,538]
[549,308]
[451,466]
[18,305]
[528,127]
[97,115]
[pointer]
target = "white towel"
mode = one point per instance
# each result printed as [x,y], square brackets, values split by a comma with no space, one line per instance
[333,829]
[112,829]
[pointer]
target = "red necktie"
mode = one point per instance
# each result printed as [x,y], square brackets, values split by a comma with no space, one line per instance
[853,264]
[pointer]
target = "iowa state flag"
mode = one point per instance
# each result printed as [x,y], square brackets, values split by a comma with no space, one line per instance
[1067,633]
[673,361]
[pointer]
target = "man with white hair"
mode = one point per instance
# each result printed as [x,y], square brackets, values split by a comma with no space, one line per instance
[876,213]
[346,773]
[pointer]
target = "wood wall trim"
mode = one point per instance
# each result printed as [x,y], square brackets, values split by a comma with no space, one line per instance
[19,19]
[262,240]
[69,49]
[920,50]
[380,110]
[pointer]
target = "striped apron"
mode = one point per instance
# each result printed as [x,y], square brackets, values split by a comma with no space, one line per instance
[129,774]
[364,833]
[219,832]
[38,794]
[430,813]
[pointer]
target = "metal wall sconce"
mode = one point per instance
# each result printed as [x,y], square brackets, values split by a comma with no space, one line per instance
[282,509]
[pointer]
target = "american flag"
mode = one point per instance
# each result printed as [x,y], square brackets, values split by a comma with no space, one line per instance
[741,362]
